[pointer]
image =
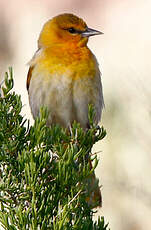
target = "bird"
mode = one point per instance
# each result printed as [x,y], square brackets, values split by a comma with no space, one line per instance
[64,74]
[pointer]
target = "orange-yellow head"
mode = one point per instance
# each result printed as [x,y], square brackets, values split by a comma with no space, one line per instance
[65,29]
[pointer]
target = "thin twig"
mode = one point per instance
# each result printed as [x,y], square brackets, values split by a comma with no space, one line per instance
[68,204]
[74,197]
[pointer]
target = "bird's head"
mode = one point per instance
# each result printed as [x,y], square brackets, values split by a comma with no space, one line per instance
[65,29]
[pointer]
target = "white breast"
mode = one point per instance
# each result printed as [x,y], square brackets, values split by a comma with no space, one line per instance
[65,99]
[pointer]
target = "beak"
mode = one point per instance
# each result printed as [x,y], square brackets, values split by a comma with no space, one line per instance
[90,32]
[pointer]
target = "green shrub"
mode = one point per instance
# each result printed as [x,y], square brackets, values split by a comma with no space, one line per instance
[44,171]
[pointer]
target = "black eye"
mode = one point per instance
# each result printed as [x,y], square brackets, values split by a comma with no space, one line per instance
[72,30]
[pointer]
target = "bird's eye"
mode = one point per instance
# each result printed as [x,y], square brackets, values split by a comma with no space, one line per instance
[72,30]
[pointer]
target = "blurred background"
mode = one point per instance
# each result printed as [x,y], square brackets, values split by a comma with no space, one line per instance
[124,54]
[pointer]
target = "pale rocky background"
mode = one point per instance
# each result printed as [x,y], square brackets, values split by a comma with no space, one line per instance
[124,54]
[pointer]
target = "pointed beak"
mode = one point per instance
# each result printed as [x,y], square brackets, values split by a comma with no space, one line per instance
[90,32]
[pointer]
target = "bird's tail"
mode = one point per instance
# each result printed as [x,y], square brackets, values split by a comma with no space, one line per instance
[94,198]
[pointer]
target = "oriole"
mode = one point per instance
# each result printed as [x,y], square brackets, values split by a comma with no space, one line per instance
[64,75]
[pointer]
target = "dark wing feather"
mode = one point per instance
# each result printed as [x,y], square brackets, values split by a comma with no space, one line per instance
[29,75]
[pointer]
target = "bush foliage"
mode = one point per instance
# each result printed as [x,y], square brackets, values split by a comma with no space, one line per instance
[44,171]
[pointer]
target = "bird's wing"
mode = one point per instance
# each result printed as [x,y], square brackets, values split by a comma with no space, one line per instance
[29,75]
[32,63]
